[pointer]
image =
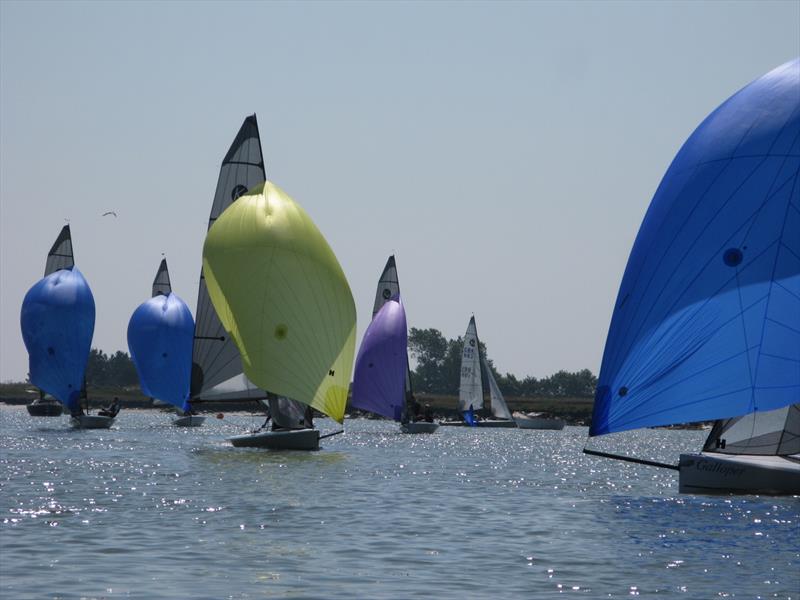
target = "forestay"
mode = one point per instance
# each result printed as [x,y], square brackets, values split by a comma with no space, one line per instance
[707,320]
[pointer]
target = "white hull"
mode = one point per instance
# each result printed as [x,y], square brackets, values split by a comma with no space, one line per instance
[497,423]
[539,423]
[292,439]
[189,421]
[419,427]
[91,422]
[711,473]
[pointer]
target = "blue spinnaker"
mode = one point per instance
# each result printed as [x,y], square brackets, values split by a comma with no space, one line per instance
[57,321]
[380,372]
[707,321]
[160,338]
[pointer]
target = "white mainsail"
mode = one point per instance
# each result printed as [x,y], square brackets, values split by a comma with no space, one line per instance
[470,392]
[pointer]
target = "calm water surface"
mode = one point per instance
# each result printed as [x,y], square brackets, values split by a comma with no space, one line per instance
[147,510]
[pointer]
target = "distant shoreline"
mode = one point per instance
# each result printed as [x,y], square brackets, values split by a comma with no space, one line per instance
[575,411]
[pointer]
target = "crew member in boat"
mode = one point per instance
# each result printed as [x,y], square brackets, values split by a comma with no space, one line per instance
[428,413]
[112,409]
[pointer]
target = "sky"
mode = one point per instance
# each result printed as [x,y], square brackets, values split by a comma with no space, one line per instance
[504,152]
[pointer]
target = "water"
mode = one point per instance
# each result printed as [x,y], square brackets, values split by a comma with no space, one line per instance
[147,510]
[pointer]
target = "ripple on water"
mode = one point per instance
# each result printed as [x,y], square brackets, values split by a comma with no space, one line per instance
[150,510]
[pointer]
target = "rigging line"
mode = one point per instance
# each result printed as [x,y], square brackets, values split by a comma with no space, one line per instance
[638,461]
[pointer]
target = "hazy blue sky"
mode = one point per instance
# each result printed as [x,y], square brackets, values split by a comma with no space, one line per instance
[506,152]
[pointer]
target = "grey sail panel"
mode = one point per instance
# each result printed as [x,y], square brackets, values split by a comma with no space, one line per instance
[60,255]
[388,287]
[287,413]
[161,284]
[215,358]
[498,403]
[772,433]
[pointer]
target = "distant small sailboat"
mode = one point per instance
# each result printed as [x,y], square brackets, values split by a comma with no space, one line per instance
[57,321]
[160,339]
[707,321]
[470,390]
[282,296]
[382,381]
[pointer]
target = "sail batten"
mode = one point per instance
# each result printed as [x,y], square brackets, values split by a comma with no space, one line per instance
[707,320]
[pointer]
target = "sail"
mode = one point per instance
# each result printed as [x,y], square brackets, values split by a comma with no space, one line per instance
[382,363]
[707,321]
[283,297]
[499,406]
[388,288]
[57,322]
[161,284]
[160,337]
[470,391]
[774,433]
[287,413]
[60,255]
[216,360]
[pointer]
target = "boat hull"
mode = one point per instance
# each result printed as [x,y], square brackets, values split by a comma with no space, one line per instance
[45,409]
[293,439]
[709,473]
[419,427]
[539,423]
[91,422]
[452,423]
[497,423]
[189,421]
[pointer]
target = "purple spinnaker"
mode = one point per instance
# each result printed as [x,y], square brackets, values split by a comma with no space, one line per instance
[380,373]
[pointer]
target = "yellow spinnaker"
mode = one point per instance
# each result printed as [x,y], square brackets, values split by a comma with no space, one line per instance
[280,292]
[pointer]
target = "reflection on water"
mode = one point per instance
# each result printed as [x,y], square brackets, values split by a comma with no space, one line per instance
[150,510]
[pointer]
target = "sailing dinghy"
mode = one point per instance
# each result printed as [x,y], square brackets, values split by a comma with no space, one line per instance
[706,325]
[282,296]
[160,338]
[470,390]
[57,321]
[217,372]
[382,379]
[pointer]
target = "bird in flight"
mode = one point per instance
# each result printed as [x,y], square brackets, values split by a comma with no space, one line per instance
[111,212]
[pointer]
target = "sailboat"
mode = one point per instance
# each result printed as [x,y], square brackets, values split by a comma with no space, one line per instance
[282,296]
[382,381]
[160,339]
[706,325]
[59,257]
[57,321]
[470,391]
[217,372]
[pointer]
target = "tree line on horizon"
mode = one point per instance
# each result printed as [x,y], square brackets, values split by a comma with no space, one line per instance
[438,371]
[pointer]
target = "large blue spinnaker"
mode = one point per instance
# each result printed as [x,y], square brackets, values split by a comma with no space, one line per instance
[707,321]
[57,321]
[160,338]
